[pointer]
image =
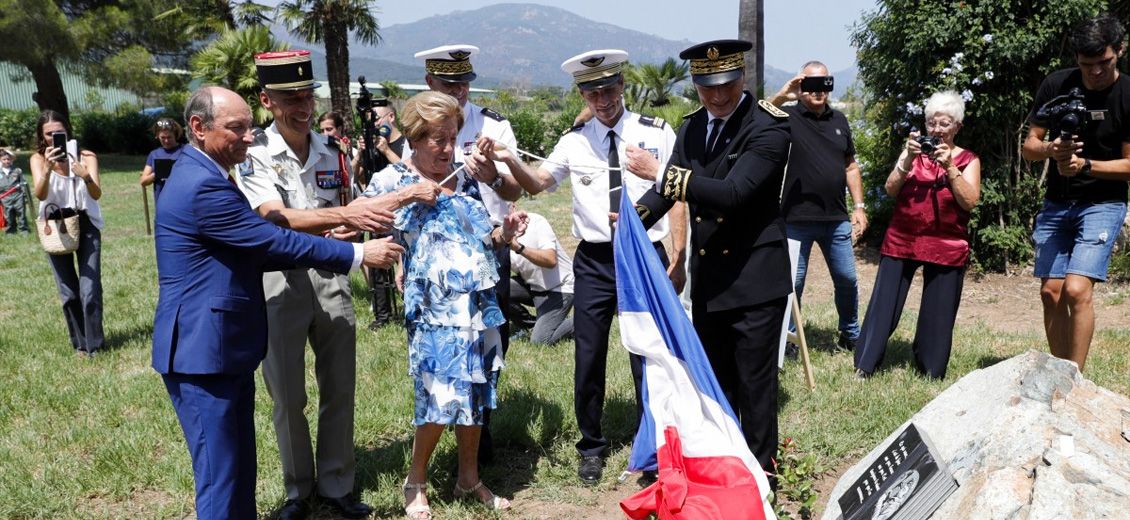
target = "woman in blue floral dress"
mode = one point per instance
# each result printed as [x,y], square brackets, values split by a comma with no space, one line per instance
[452,317]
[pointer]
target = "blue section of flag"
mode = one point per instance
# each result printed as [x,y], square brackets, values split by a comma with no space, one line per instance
[642,285]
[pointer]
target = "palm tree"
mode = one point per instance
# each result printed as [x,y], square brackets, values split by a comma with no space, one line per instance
[660,80]
[211,17]
[392,90]
[230,61]
[751,27]
[330,22]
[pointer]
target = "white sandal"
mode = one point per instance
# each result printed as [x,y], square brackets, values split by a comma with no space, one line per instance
[495,502]
[418,512]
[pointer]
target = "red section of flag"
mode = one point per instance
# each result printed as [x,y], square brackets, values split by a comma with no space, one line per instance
[696,488]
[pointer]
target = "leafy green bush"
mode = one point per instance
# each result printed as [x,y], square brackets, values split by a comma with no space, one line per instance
[17,127]
[530,130]
[128,133]
[995,54]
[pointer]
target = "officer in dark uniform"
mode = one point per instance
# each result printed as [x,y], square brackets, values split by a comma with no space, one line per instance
[727,165]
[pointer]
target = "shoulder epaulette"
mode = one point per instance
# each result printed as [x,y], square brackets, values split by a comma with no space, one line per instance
[693,112]
[258,137]
[492,114]
[652,121]
[573,129]
[772,109]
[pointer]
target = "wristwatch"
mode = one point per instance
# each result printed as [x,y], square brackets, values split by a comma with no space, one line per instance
[496,183]
[521,247]
[1086,168]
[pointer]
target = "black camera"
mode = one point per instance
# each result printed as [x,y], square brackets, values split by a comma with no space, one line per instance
[928,143]
[1068,114]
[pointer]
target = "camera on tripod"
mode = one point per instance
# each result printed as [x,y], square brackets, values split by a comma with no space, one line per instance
[1068,114]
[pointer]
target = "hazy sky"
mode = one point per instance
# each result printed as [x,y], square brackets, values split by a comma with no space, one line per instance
[795,30]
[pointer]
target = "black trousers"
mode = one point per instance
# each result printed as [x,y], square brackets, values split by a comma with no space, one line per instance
[594,305]
[742,346]
[933,338]
[502,293]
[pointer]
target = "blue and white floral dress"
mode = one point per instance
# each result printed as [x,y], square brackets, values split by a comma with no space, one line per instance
[450,310]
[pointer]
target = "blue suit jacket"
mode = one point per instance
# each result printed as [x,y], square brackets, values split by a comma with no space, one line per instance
[212,250]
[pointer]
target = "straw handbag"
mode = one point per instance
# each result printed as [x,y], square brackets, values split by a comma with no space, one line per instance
[58,229]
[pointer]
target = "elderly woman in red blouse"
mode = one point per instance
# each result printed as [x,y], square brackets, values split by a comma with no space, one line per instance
[936,184]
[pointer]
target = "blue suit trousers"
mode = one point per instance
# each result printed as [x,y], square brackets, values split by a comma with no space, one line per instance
[216,413]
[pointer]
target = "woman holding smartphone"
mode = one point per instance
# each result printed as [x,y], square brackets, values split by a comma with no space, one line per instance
[72,182]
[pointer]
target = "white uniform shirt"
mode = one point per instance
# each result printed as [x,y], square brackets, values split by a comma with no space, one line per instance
[272,170]
[476,125]
[539,235]
[582,156]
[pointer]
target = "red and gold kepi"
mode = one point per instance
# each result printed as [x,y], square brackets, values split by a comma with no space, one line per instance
[450,63]
[716,62]
[285,70]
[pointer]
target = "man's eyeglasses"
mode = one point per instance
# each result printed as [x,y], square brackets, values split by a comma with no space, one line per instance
[165,123]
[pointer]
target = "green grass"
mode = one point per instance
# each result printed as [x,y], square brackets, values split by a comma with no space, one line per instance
[99,439]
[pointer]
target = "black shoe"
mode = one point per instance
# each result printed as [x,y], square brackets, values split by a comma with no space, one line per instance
[861,375]
[590,470]
[792,351]
[844,344]
[647,478]
[295,509]
[347,506]
[376,325]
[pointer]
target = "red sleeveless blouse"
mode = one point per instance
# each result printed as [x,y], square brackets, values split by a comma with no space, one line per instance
[928,225]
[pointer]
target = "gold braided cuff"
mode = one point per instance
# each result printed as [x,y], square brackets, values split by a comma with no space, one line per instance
[675,181]
[643,211]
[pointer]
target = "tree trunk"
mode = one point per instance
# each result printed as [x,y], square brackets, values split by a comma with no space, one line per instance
[49,88]
[751,14]
[337,68]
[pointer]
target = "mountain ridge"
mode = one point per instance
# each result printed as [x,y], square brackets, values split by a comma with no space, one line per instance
[526,46]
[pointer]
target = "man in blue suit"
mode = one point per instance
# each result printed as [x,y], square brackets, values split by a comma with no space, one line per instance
[210,329]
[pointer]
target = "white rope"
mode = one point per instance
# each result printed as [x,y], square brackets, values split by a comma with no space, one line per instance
[576,166]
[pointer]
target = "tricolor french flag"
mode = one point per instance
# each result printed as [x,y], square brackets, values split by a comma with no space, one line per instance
[688,430]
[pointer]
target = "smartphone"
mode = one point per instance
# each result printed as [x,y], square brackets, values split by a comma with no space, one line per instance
[817,84]
[59,140]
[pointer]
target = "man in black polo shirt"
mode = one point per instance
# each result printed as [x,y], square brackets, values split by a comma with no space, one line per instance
[1085,201]
[821,164]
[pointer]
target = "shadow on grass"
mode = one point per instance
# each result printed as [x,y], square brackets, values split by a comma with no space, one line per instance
[988,361]
[523,426]
[118,338]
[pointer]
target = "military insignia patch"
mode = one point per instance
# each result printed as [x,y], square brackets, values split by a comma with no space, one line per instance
[246,168]
[653,151]
[459,55]
[586,180]
[593,61]
[328,180]
[574,128]
[772,109]
[712,53]
[654,122]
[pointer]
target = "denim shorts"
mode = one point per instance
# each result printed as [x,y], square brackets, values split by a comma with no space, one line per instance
[1076,238]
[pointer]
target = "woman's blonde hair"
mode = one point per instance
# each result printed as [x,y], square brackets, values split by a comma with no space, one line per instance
[426,110]
[948,103]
